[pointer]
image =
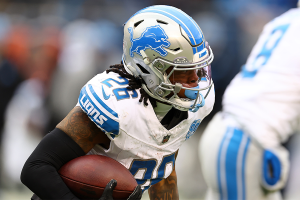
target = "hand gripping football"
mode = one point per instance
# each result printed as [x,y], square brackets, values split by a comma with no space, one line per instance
[87,176]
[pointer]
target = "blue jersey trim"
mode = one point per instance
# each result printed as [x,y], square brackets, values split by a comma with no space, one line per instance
[96,114]
[101,102]
[234,138]
[219,165]
[231,164]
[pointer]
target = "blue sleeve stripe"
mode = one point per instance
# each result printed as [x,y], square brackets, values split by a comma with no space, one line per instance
[96,115]
[231,164]
[101,102]
[221,164]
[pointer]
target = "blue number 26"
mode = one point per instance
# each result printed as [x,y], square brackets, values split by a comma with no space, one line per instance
[121,93]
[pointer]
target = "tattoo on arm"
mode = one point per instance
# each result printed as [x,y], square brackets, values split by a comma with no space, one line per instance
[82,130]
[165,189]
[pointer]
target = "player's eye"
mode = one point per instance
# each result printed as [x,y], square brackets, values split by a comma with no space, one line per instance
[201,73]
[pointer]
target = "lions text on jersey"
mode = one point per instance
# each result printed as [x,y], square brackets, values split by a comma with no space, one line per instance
[138,139]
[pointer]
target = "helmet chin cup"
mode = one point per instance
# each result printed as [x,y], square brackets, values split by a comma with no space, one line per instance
[192,94]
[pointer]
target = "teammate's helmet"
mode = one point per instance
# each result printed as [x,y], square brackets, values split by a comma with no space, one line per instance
[159,37]
[298,3]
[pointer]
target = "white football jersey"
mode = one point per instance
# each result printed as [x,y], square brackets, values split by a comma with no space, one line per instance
[138,140]
[265,96]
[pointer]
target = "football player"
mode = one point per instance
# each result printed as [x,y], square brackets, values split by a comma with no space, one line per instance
[241,150]
[138,112]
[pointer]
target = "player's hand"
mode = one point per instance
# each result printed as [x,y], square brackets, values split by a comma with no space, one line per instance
[136,194]
[108,190]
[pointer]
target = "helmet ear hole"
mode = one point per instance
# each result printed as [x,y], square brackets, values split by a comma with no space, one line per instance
[137,23]
[142,69]
[161,22]
[176,49]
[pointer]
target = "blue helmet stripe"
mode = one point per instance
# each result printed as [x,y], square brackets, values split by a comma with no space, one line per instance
[200,48]
[194,50]
[187,23]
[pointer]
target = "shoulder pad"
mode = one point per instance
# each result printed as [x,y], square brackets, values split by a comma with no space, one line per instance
[100,100]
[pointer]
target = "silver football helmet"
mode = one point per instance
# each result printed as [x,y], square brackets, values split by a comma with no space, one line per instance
[161,37]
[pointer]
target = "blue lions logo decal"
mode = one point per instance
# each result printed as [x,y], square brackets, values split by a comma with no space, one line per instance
[193,128]
[153,37]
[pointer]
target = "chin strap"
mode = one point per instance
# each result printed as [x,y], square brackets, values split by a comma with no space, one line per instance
[192,94]
[198,105]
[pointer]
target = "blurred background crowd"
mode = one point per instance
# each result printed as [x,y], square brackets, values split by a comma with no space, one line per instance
[50,48]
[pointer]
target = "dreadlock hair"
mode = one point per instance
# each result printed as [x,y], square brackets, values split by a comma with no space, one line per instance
[133,83]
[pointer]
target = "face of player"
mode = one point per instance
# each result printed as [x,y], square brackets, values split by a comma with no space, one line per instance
[188,78]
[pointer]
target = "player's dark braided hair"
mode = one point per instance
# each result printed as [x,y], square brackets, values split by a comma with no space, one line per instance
[134,83]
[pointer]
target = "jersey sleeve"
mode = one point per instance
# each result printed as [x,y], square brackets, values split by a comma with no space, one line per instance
[264,96]
[95,102]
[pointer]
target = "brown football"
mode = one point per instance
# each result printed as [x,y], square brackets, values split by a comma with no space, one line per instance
[87,176]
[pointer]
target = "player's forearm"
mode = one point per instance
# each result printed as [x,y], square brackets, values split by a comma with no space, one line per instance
[40,174]
[165,189]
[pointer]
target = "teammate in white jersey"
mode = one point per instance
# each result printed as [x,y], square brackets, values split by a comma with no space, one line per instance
[241,150]
[138,112]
